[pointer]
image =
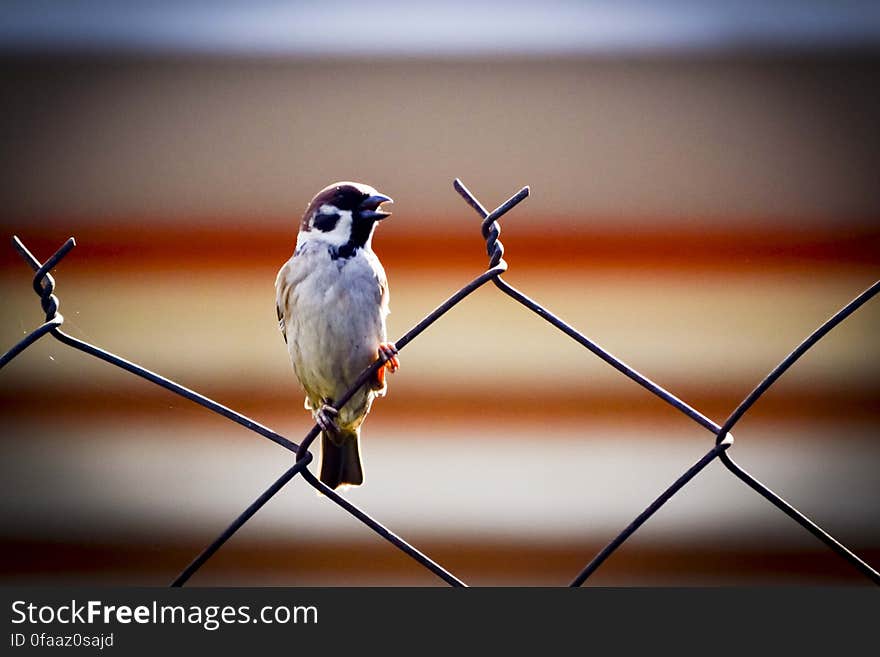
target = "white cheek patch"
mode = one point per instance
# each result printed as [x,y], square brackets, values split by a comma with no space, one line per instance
[337,237]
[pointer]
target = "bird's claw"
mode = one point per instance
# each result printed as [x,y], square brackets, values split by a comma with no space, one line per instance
[326,419]
[388,354]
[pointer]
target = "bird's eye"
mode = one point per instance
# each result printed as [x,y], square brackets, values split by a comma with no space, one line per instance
[325,222]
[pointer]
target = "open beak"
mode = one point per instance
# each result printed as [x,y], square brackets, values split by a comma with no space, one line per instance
[369,207]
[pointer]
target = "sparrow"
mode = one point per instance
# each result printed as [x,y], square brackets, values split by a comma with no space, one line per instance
[332,298]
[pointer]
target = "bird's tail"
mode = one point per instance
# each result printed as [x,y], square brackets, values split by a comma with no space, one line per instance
[341,459]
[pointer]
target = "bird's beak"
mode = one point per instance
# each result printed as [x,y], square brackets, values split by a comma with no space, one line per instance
[369,207]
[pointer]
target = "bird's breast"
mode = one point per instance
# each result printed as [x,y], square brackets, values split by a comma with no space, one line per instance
[336,321]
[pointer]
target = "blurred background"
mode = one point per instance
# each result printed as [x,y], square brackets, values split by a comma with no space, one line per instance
[704,194]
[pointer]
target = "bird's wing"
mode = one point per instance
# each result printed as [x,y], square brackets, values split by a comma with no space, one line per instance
[282,288]
[281,321]
[382,280]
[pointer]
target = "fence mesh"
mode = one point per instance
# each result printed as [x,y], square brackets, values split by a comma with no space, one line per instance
[44,286]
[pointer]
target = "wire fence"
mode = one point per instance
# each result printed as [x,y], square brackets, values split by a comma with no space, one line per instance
[44,286]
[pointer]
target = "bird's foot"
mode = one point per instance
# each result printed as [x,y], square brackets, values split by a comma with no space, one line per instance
[326,419]
[387,353]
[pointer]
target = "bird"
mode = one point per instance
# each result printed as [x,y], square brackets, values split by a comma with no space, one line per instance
[332,301]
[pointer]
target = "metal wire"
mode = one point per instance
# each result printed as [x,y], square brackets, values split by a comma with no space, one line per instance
[724,439]
[238,523]
[44,286]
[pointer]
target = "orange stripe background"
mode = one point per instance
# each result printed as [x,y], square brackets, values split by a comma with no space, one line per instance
[697,217]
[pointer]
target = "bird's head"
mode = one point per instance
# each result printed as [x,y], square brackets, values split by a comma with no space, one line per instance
[343,215]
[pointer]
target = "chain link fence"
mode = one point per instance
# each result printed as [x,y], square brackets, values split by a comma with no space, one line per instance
[44,286]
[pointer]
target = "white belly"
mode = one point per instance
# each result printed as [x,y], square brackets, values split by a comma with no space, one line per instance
[334,322]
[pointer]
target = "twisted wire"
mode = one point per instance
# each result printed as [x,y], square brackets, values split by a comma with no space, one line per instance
[44,286]
[491,231]
[724,439]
